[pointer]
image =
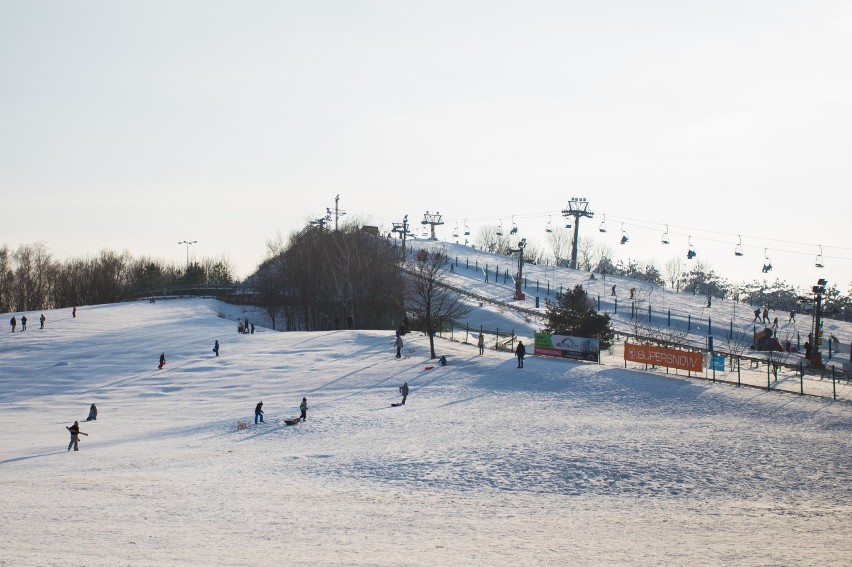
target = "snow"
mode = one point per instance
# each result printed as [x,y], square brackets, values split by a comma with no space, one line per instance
[559,463]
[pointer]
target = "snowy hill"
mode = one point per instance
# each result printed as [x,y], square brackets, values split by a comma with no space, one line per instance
[557,463]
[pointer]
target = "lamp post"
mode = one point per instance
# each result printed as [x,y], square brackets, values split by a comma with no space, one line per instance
[188,243]
[818,290]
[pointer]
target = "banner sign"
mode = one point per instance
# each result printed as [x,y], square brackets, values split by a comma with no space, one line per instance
[659,356]
[563,346]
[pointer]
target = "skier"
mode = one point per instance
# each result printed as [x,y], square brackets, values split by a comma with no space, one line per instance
[775,323]
[93,413]
[766,315]
[258,412]
[613,290]
[162,360]
[304,408]
[75,436]
[481,344]
[216,347]
[792,316]
[41,320]
[23,322]
[756,315]
[398,345]
[520,352]
[404,391]
[13,322]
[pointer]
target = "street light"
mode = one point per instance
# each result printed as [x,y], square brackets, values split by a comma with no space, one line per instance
[188,243]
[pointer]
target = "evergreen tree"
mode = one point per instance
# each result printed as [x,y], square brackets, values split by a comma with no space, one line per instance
[574,314]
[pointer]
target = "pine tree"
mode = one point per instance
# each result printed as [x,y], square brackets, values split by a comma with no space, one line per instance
[574,314]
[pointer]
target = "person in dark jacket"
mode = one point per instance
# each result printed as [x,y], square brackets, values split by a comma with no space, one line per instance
[481,344]
[75,436]
[258,412]
[520,352]
[404,391]
[13,322]
[162,360]
[23,322]
[216,347]
[93,413]
[304,408]
[41,320]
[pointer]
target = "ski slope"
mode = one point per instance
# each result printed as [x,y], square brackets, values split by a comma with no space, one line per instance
[559,463]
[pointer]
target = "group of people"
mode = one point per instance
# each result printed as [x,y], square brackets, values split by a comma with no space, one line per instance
[74,429]
[245,328]
[13,322]
[258,411]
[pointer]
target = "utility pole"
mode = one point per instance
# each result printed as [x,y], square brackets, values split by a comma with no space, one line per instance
[337,211]
[402,229]
[577,207]
[818,290]
[432,220]
[518,281]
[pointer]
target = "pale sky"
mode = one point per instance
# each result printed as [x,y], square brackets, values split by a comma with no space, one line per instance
[136,125]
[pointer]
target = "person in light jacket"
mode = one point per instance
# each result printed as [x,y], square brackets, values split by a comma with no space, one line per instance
[398,345]
[481,344]
[304,409]
[404,391]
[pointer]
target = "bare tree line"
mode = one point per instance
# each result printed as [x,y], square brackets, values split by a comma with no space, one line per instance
[31,279]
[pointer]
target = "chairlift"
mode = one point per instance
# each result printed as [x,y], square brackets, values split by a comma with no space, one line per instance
[456,231]
[514,227]
[666,235]
[549,226]
[466,229]
[602,227]
[738,249]
[500,228]
[818,262]
[767,265]
[624,238]
[691,253]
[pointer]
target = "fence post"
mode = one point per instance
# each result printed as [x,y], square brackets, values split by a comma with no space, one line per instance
[768,376]
[548,288]
[709,327]
[801,379]
[689,321]
[615,312]
[670,318]
[466,332]
[467,263]
[833,383]
[739,370]
[649,312]
[497,340]
[536,286]
[829,347]
[731,331]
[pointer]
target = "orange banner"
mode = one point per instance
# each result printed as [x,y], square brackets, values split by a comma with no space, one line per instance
[659,356]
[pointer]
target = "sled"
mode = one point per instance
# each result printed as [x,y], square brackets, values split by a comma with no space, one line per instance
[396,405]
[242,425]
[293,421]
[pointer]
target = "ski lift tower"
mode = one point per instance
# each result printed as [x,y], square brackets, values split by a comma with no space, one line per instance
[432,220]
[402,229]
[519,294]
[577,207]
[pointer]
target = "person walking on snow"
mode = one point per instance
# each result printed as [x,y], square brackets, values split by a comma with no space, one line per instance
[41,320]
[74,312]
[23,322]
[756,315]
[304,409]
[792,316]
[216,347]
[520,352]
[481,344]
[75,436]
[404,391]
[398,345]
[13,322]
[258,413]
[162,360]
[613,290]
[93,413]
[766,315]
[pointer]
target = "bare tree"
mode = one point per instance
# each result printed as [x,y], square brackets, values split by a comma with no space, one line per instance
[674,268]
[427,298]
[560,245]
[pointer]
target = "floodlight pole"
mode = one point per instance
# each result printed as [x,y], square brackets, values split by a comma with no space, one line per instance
[402,229]
[577,207]
[520,250]
[188,243]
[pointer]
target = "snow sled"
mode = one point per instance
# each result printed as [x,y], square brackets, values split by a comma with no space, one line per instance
[396,405]
[293,421]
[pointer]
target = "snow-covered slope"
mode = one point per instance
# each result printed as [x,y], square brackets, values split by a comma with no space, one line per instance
[558,463]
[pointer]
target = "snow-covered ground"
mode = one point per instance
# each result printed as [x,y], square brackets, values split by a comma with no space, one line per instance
[559,463]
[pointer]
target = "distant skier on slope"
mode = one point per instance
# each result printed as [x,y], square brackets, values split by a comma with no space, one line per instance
[75,436]
[162,360]
[93,413]
[258,412]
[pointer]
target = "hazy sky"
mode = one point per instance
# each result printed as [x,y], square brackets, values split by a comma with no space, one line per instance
[135,125]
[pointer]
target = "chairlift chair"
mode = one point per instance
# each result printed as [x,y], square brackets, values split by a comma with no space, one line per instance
[666,235]
[456,231]
[738,249]
[549,226]
[500,228]
[514,229]
[818,262]
[767,265]
[466,228]
[624,238]
[602,227]
[691,253]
